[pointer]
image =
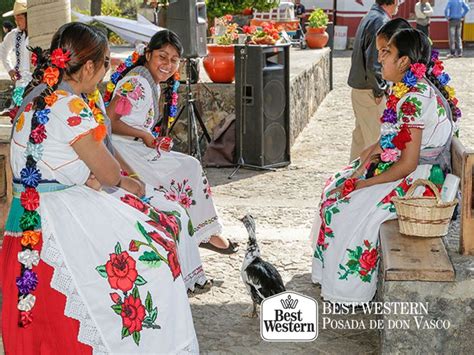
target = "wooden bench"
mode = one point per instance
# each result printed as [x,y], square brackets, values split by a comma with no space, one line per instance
[425,259]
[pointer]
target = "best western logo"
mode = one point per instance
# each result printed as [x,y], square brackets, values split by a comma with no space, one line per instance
[289,316]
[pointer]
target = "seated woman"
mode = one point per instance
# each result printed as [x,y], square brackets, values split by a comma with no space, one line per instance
[81,271]
[357,200]
[132,100]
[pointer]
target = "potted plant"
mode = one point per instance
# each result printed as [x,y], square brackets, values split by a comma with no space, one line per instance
[268,34]
[219,63]
[316,35]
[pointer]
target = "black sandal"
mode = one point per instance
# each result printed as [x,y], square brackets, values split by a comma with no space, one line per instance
[231,249]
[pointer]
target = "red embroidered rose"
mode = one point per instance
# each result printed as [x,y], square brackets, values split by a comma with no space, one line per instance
[403,137]
[135,202]
[321,236]
[59,58]
[348,186]
[25,319]
[173,263]
[168,244]
[368,259]
[408,108]
[170,223]
[133,314]
[74,121]
[38,134]
[29,199]
[363,272]
[133,246]
[367,243]
[115,297]
[164,143]
[121,271]
[392,102]
[388,198]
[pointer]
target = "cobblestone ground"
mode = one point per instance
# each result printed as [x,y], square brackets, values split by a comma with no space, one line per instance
[284,203]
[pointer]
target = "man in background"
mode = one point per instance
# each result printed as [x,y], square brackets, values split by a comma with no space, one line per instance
[300,11]
[365,78]
[423,12]
[454,12]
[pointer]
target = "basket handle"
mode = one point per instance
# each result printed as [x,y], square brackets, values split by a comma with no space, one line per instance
[423,182]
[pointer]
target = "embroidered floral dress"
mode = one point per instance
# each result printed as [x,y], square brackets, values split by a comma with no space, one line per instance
[178,177]
[107,280]
[346,230]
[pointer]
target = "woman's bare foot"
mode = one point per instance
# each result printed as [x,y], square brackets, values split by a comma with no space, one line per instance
[219,242]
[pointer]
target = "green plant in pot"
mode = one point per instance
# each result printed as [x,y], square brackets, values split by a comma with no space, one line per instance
[316,35]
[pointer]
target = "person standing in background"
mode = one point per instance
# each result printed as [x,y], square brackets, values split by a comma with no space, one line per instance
[365,78]
[423,13]
[7,26]
[300,11]
[454,12]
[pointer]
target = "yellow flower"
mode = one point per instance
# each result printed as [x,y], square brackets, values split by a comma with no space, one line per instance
[62,92]
[400,89]
[94,96]
[99,118]
[20,122]
[110,86]
[450,91]
[128,86]
[76,105]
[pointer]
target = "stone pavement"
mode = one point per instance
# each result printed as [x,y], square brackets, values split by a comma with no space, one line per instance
[283,204]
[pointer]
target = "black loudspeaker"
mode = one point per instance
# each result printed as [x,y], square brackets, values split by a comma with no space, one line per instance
[188,19]
[262,98]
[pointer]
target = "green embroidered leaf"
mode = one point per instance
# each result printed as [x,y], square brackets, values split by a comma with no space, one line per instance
[359,252]
[148,302]
[174,213]
[154,314]
[136,337]
[340,182]
[154,215]
[101,270]
[328,217]
[151,259]
[143,232]
[140,281]
[352,264]
[335,210]
[118,248]
[190,228]
[135,292]
[117,308]
[125,332]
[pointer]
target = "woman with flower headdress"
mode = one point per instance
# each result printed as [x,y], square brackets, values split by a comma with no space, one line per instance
[357,200]
[132,100]
[81,271]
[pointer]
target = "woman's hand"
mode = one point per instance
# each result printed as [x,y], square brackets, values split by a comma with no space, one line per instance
[133,186]
[149,140]
[93,183]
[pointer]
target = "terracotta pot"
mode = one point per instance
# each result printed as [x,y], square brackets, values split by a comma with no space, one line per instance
[219,63]
[316,37]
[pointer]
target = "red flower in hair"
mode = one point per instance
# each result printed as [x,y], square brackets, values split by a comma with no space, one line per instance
[403,137]
[38,134]
[29,199]
[392,102]
[418,70]
[25,319]
[28,107]
[59,58]
[34,59]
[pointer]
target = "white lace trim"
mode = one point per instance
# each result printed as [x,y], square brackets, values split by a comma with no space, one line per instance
[62,282]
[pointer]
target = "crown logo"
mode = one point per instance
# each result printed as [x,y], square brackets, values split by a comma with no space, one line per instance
[289,303]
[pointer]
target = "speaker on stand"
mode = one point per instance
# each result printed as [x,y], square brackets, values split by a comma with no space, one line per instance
[188,19]
[262,100]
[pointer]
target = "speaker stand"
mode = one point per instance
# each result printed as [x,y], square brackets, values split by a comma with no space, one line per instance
[241,164]
[192,115]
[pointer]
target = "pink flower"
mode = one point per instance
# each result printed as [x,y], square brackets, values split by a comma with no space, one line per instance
[170,195]
[389,155]
[418,70]
[136,94]
[185,201]
[124,106]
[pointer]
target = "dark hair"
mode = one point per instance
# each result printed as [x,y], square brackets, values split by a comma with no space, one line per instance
[385,2]
[159,39]
[8,25]
[392,26]
[82,41]
[412,43]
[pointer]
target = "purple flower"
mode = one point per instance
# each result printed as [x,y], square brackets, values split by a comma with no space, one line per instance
[457,113]
[409,79]
[27,282]
[42,116]
[434,54]
[389,116]
[444,79]
[30,177]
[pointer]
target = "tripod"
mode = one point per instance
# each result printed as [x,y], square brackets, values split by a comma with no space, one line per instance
[192,115]
[243,76]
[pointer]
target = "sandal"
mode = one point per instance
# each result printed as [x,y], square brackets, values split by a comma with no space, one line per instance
[231,249]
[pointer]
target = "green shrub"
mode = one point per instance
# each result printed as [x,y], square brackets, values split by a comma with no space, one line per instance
[318,18]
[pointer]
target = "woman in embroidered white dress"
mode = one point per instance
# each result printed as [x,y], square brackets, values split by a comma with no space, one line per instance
[132,97]
[70,286]
[357,200]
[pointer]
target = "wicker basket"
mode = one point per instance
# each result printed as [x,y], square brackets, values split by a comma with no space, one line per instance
[423,216]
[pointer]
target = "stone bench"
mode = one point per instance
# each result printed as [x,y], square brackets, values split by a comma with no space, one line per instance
[427,271]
